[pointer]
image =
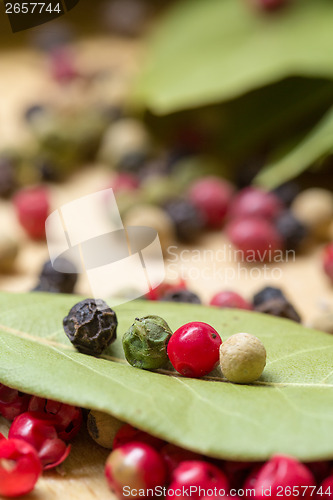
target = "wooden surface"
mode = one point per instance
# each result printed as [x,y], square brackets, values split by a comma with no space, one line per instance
[23,82]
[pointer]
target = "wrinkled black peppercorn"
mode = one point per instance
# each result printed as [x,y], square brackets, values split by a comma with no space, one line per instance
[279,307]
[182,295]
[186,218]
[292,230]
[267,293]
[54,281]
[91,326]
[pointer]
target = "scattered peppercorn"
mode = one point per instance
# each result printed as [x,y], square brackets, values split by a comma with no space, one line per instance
[292,231]
[287,192]
[186,218]
[198,476]
[242,358]
[231,300]
[254,202]
[280,308]
[20,467]
[194,349]
[212,197]
[54,281]
[145,343]
[314,208]
[256,238]
[91,326]
[103,427]
[135,465]
[267,293]
[173,456]
[32,208]
[39,431]
[280,472]
[181,295]
[12,402]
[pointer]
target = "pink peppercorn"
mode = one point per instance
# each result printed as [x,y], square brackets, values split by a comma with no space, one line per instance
[32,209]
[68,418]
[257,239]
[231,300]
[39,431]
[197,474]
[194,349]
[328,260]
[173,456]
[20,467]
[134,466]
[212,197]
[254,202]
[12,402]
[281,474]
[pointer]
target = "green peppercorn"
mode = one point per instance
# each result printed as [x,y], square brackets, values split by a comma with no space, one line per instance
[91,326]
[145,343]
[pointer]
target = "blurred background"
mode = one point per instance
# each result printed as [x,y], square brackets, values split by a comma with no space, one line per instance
[211,120]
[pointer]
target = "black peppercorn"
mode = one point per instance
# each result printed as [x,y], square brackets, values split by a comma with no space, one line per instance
[292,230]
[186,218]
[54,281]
[181,295]
[272,301]
[287,192]
[267,293]
[91,326]
[279,307]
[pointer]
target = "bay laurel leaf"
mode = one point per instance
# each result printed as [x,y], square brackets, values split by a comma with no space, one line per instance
[317,144]
[289,410]
[209,51]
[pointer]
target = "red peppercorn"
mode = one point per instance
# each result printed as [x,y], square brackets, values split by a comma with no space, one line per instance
[328,260]
[68,418]
[196,474]
[164,288]
[32,209]
[254,202]
[12,402]
[134,466]
[20,467]
[124,182]
[257,239]
[62,65]
[38,430]
[173,456]
[283,473]
[325,490]
[212,197]
[194,349]
[127,433]
[230,299]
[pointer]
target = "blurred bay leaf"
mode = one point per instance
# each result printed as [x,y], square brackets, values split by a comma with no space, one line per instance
[290,410]
[317,144]
[214,50]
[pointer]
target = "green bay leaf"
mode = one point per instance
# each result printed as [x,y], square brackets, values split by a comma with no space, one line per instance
[210,51]
[317,144]
[289,410]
